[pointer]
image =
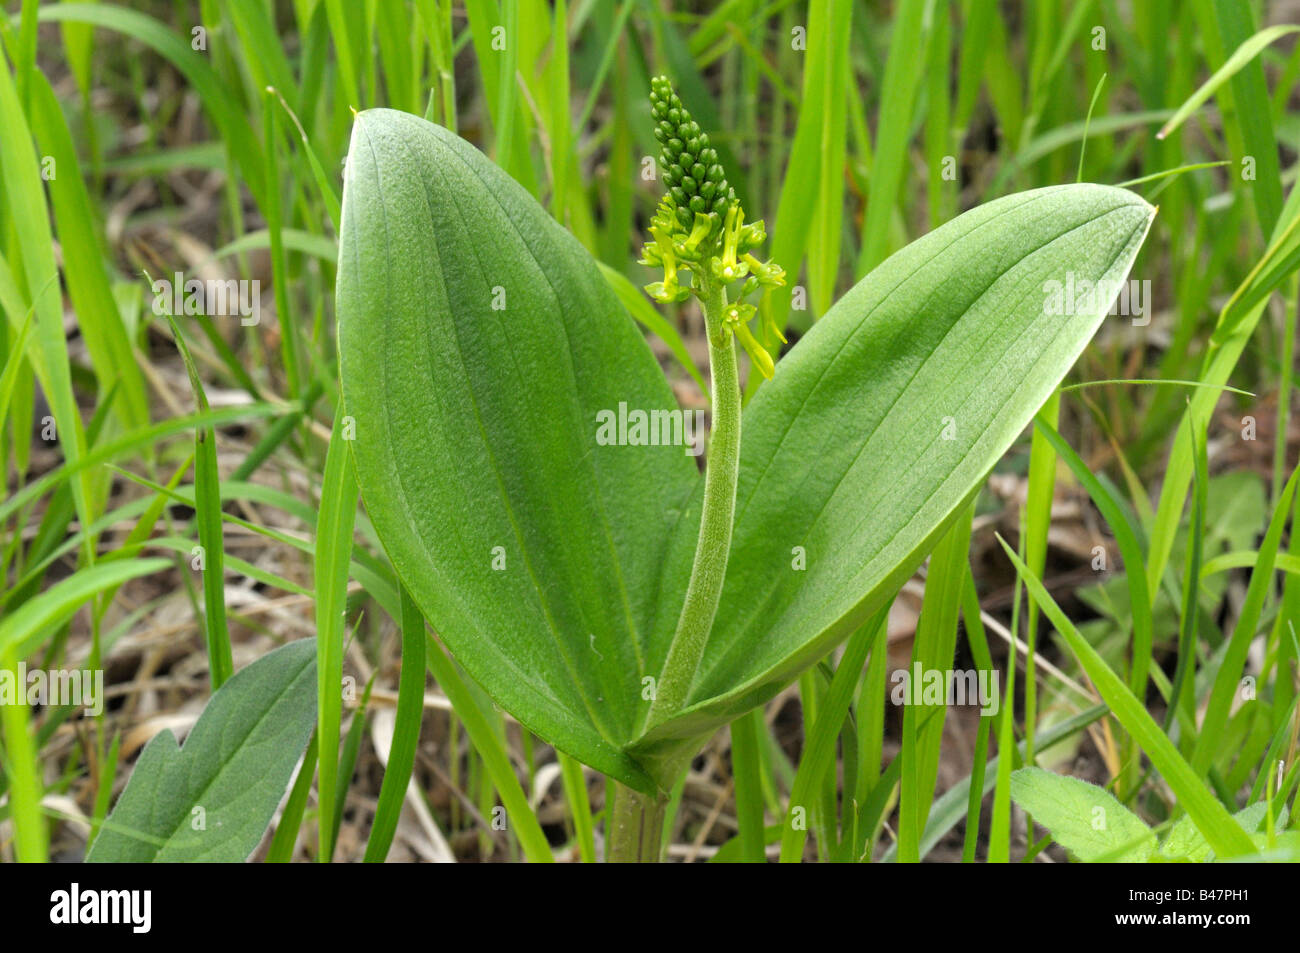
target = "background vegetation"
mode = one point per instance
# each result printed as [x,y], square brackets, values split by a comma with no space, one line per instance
[142,139]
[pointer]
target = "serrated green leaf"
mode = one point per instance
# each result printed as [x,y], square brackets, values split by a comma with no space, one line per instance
[1083,818]
[1185,842]
[235,766]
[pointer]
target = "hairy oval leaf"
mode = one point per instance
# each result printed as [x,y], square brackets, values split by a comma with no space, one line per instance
[478,344]
[235,766]
[1083,818]
[883,420]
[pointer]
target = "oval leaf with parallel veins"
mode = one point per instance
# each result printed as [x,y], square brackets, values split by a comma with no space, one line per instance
[883,420]
[479,343]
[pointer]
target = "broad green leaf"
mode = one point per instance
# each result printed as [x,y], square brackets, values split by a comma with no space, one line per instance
[212,799]
[1084,819]
[882,421]
[1285,848]
[478,343]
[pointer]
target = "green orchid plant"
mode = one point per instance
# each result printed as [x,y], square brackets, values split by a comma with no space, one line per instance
[618,604]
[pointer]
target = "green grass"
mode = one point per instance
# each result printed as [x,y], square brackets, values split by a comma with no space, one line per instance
[127,152]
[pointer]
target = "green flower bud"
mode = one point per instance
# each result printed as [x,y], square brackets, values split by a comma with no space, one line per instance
[699,228]
[687,158]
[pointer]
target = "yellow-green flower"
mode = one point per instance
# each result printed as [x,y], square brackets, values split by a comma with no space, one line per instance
[699,227]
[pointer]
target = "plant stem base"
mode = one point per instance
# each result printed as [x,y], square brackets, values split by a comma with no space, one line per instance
[634,831]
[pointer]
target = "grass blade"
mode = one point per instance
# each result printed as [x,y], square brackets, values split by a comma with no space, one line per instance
[575,793]
[406,733]
[286,833]
[21,765]
[746,767]
[1126,536]
[338,508]
[207,502]
[819,747]
[1228,678]
[802,192]
[933,649]
[1242,55]
[83,257]
[897,98]
[1209,816]
[493,753]
[227,112]
[347,765]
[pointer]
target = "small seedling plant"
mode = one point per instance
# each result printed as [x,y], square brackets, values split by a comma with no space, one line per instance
[619,603]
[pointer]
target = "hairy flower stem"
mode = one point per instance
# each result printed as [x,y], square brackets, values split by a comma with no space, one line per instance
[636,825]
[714,544]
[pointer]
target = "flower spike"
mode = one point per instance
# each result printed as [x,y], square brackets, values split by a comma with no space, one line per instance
[700,228]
